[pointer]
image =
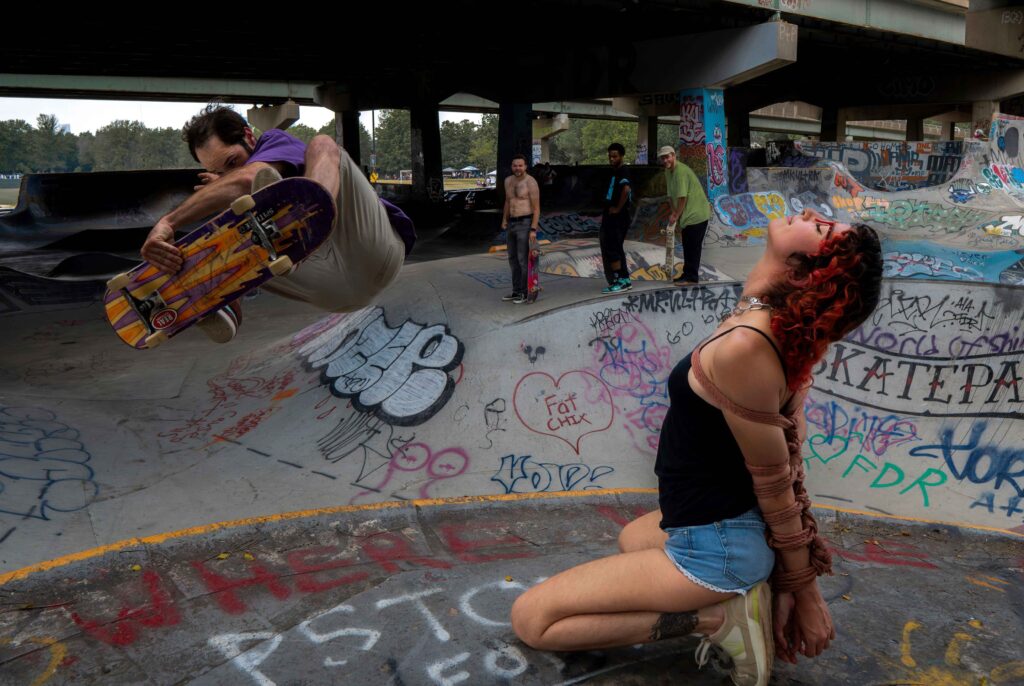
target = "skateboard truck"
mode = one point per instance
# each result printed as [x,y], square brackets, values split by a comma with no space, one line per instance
[263,234]
[145,309]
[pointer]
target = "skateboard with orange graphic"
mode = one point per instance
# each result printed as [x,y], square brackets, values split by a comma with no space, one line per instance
[533,288]
[263,235]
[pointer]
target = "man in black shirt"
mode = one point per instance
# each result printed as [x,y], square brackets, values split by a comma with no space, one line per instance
[615,223]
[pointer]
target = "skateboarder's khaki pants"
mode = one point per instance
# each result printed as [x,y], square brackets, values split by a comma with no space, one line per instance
[360,258]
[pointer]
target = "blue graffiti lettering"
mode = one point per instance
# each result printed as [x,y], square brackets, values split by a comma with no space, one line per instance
[983,464]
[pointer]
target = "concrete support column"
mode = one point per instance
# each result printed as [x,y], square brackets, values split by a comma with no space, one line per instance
[833,124]
[915,130]
[981,115]
[350,133]
[427,181]
[273,116]
[951,131]
[515,137]
[544,129]
[647,139]
[739,130]
[702,137]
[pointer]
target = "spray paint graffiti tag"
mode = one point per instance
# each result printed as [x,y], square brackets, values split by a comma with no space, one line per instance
[575,405]
[44,467]
[399,374]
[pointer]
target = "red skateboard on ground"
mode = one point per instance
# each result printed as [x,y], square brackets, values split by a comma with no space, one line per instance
[262,236]
[532,274]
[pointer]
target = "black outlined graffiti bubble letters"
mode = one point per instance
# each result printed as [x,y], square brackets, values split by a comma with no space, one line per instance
[44,468]
[400,374]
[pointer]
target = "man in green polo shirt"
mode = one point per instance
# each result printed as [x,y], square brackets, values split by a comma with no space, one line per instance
[690,211]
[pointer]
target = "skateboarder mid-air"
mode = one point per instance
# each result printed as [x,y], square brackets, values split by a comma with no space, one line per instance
[368,242]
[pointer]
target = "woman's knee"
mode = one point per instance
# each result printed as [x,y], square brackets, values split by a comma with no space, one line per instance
[528,621]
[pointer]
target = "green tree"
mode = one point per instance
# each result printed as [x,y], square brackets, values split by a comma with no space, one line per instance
[483,151]
[394,141]
[567,147]
[302,132]
[116,146]
[164,149]
[668,134]
[365,144]
[84,143]
[52,148]
[457,142]
[15,146]
[598,134]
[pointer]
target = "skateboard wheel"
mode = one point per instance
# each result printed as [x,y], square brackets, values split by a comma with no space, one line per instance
[281,265]
[243,204]
[153,340]
[118,282]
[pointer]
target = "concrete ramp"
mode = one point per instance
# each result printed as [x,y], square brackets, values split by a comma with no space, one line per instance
[441,390]
[397,475]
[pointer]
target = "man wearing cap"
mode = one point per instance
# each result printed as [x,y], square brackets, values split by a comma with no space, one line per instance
[690,211]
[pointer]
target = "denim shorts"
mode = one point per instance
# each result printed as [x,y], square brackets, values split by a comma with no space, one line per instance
[730,556]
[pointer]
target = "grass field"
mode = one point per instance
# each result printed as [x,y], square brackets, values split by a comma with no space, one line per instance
[449,184]
[8,196]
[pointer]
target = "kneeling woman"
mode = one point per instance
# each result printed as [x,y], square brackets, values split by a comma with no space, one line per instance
[728,463]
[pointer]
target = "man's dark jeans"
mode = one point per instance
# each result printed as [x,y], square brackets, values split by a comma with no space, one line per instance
[612,235]
[693,243]
[519,251]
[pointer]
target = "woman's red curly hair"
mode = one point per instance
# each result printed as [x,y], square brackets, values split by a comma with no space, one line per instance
[825,296]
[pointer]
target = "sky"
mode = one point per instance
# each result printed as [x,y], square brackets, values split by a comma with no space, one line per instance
[89,115]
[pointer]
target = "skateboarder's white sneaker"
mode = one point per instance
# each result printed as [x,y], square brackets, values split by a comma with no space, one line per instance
[264,177]
[510,297]
[519,299]
[222,325]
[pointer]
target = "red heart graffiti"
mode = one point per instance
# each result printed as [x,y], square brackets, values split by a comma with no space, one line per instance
[575,405]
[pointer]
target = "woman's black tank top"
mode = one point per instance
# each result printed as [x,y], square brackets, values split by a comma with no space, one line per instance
[702,477]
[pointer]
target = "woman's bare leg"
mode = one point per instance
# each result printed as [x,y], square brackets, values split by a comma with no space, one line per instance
[635,597]
[642,533]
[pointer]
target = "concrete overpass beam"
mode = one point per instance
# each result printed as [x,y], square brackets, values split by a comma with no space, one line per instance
[716,59]
[995,30]
[427,181]
[273,116]
[546,128]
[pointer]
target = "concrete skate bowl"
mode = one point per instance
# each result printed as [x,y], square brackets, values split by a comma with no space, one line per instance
[81,226]
[436,392]
[286,506]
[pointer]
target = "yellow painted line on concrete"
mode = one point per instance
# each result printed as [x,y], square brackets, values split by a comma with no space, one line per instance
[157,539]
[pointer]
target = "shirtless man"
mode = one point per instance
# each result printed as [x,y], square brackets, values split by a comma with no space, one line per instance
[520,218]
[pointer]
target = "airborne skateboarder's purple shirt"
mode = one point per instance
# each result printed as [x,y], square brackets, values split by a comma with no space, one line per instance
[279,146]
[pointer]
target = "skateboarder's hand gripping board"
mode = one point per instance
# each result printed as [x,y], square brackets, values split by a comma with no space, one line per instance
[263,235]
